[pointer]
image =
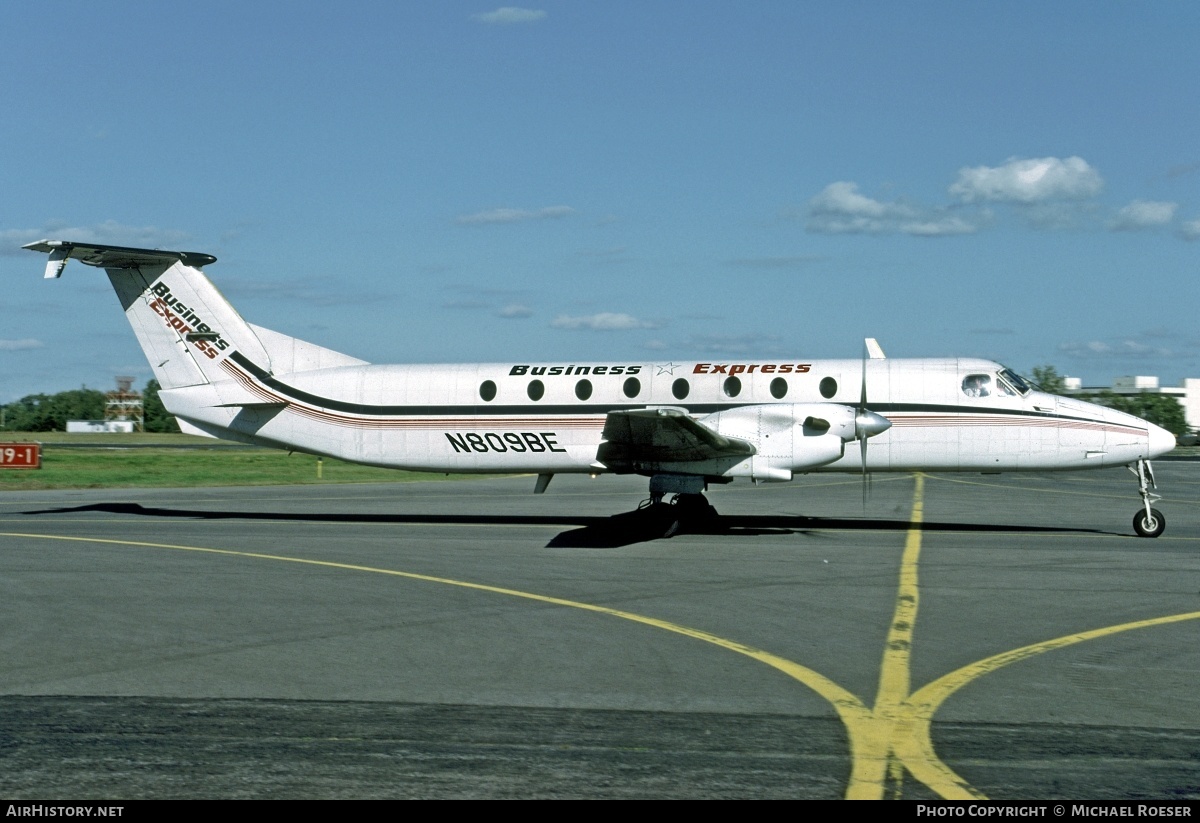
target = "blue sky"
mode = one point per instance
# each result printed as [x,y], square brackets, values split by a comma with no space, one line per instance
[455,181]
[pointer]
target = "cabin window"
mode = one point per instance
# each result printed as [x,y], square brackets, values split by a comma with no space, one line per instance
[732,387]
[583,389]
[778,388]
[487,390]
[680,388]
[977,385]
[632,387]
[828,387]
[536,389]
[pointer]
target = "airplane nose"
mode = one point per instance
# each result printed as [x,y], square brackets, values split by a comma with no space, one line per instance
[1161,441]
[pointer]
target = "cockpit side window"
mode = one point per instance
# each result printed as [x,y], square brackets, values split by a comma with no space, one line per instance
[977,385]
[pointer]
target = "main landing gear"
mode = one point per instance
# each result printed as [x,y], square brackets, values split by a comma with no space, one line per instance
[685,512]
[688,510]
[691,511]
[1148,522]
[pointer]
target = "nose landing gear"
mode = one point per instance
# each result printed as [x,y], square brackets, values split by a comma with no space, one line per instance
[1148,522]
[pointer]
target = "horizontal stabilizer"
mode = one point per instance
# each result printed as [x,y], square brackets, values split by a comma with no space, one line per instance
[112,257]
[195,431]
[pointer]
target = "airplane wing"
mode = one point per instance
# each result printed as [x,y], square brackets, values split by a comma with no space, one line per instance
[660,436]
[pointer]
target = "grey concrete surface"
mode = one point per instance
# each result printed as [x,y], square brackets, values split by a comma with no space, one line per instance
[471,639]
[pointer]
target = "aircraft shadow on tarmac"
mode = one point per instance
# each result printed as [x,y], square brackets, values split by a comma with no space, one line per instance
[615,531]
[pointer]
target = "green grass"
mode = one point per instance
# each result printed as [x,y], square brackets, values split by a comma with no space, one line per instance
[112,439]
[103,464]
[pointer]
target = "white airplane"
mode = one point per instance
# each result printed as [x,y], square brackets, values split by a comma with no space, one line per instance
[684,425]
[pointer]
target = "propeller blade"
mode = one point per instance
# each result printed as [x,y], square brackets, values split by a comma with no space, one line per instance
[862,450]
[866,422]
[859,430]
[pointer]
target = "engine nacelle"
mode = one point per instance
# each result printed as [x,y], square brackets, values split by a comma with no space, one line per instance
[788,437]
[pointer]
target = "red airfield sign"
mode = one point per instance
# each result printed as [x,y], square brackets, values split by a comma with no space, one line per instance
[20,455]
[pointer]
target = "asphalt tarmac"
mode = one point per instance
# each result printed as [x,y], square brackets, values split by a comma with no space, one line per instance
[958,636]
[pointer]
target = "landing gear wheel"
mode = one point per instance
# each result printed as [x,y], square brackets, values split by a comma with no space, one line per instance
[1149,525]
[691,512]
[673,527]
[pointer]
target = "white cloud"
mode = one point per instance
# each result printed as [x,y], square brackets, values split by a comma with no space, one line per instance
[515,310]
[842,198]
[1029,181]
[509,15]
[109,232]
[1057,214]
[1115,349]
[1143,214]
[938,227]
[731,345]
[21,345]
[840,209]
[1190,230]
[604,321]
[513,215]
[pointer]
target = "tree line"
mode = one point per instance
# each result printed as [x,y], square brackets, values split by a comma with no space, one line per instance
[50,412]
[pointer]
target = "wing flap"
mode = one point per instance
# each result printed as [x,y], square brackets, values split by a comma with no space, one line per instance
[663,435]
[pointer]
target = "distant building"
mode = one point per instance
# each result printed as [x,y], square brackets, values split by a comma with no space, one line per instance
[100,426]
[1188,394]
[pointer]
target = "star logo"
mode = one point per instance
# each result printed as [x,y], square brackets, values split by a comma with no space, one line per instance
[667,368]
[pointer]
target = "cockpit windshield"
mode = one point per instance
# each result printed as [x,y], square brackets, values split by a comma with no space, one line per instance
[1016,382]
[1005,383]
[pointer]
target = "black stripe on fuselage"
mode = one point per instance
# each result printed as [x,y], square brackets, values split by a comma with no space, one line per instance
[488,410]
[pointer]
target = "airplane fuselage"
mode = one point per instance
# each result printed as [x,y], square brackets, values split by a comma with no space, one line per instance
[550,417]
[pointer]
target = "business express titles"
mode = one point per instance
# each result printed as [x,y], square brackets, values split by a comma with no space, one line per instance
[546,441]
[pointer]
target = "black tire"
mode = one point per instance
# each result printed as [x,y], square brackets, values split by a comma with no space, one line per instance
[690,513]
[1151,526]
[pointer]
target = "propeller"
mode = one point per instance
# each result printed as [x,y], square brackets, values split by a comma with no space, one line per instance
[866,422]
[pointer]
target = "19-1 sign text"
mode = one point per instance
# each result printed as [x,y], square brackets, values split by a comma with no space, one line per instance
[20,456]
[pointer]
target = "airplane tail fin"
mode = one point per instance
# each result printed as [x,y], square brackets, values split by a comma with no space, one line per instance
[185,326]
